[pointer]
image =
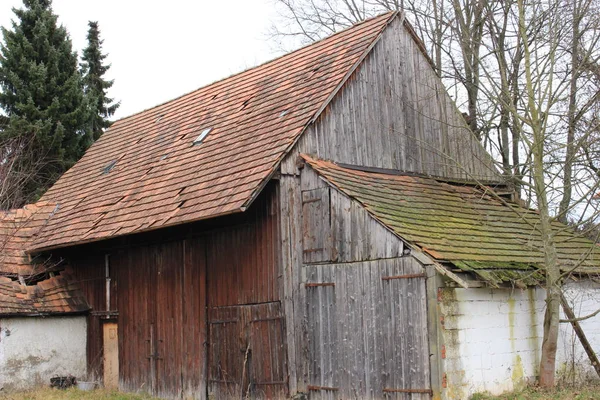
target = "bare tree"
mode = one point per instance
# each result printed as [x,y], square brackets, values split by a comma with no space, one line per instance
[18,165]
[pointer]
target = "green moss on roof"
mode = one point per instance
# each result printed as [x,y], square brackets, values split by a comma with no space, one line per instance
[462,224]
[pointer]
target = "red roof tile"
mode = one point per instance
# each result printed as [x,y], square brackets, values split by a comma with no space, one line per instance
[160,178]
[53,295]
[18,228]
[56,295]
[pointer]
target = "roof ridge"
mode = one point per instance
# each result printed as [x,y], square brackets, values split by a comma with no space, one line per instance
[390,13]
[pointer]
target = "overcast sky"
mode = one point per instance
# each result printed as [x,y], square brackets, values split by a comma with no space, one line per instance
[160,49]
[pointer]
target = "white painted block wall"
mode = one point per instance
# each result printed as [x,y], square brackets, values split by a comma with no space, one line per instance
[493,337]
[34,349]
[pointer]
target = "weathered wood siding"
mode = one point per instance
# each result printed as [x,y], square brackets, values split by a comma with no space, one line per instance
[336,229]
[367,325]
[169,287]
[395,113]
[352,333]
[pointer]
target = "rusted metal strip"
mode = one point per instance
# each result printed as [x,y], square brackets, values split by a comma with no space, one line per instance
[266,319]
[319,284]
[427,391]
[225,321]
[270,383]
[313,250]
[409,276]
[315,388]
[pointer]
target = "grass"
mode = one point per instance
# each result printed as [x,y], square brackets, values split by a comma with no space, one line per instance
[533,393]
[74,394]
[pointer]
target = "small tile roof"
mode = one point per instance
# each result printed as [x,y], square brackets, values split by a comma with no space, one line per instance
[42,293]
[58,295]
[145,173]
[18,229]
[464,224]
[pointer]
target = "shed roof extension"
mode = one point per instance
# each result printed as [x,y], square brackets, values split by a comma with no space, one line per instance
[147,172]
[467,225]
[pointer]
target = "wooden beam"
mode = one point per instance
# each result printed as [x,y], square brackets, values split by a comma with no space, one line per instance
[450,275]
[580,334]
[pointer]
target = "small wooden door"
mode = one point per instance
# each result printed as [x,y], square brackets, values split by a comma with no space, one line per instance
[111,355]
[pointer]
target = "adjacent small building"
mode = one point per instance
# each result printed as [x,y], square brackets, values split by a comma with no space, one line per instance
[42,322]
[324,225]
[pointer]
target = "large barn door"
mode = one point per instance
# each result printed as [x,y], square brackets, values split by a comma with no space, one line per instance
[367,330]
[163,319]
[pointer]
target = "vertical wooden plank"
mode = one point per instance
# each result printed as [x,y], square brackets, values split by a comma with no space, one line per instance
[111,355]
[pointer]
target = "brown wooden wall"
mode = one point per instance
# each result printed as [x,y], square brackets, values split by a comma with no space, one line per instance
[170,286]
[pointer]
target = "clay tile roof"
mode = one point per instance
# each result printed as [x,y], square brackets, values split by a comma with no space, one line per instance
[49,297]
[53,295]
[145,173]
[464,224]
[18,229]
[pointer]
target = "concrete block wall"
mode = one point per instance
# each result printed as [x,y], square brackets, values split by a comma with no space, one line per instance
[34,349]
[492,337]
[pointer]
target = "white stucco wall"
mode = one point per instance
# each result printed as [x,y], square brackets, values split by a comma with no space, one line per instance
[34,349]
[492,337]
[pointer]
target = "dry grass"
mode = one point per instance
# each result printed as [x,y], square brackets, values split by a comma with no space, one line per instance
[74,394]
[533,393]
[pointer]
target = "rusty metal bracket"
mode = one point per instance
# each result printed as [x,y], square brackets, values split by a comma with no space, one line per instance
[225,321]
[313,250]
[319,284]
[408,276]
[265,319]
[426,391]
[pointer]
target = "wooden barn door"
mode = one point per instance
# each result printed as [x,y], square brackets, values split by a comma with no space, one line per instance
[367,330]
[163,319]
[247,356]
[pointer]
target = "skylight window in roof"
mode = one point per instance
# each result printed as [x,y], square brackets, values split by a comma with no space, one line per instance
[202,136]
[109,167]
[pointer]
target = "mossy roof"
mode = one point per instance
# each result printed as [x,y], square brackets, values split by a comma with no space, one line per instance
[464,224]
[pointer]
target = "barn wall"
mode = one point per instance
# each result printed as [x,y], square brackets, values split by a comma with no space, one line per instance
[395,113]
[168,291]
[493,337]
[35,349]
[351,331]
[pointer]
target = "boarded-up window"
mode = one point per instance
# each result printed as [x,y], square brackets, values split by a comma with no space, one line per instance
[316,226]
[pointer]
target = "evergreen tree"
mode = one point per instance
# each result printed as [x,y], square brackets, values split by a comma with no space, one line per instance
[95,86]
[41,92]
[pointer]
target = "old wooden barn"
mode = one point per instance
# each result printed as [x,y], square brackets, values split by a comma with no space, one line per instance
[309,227]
